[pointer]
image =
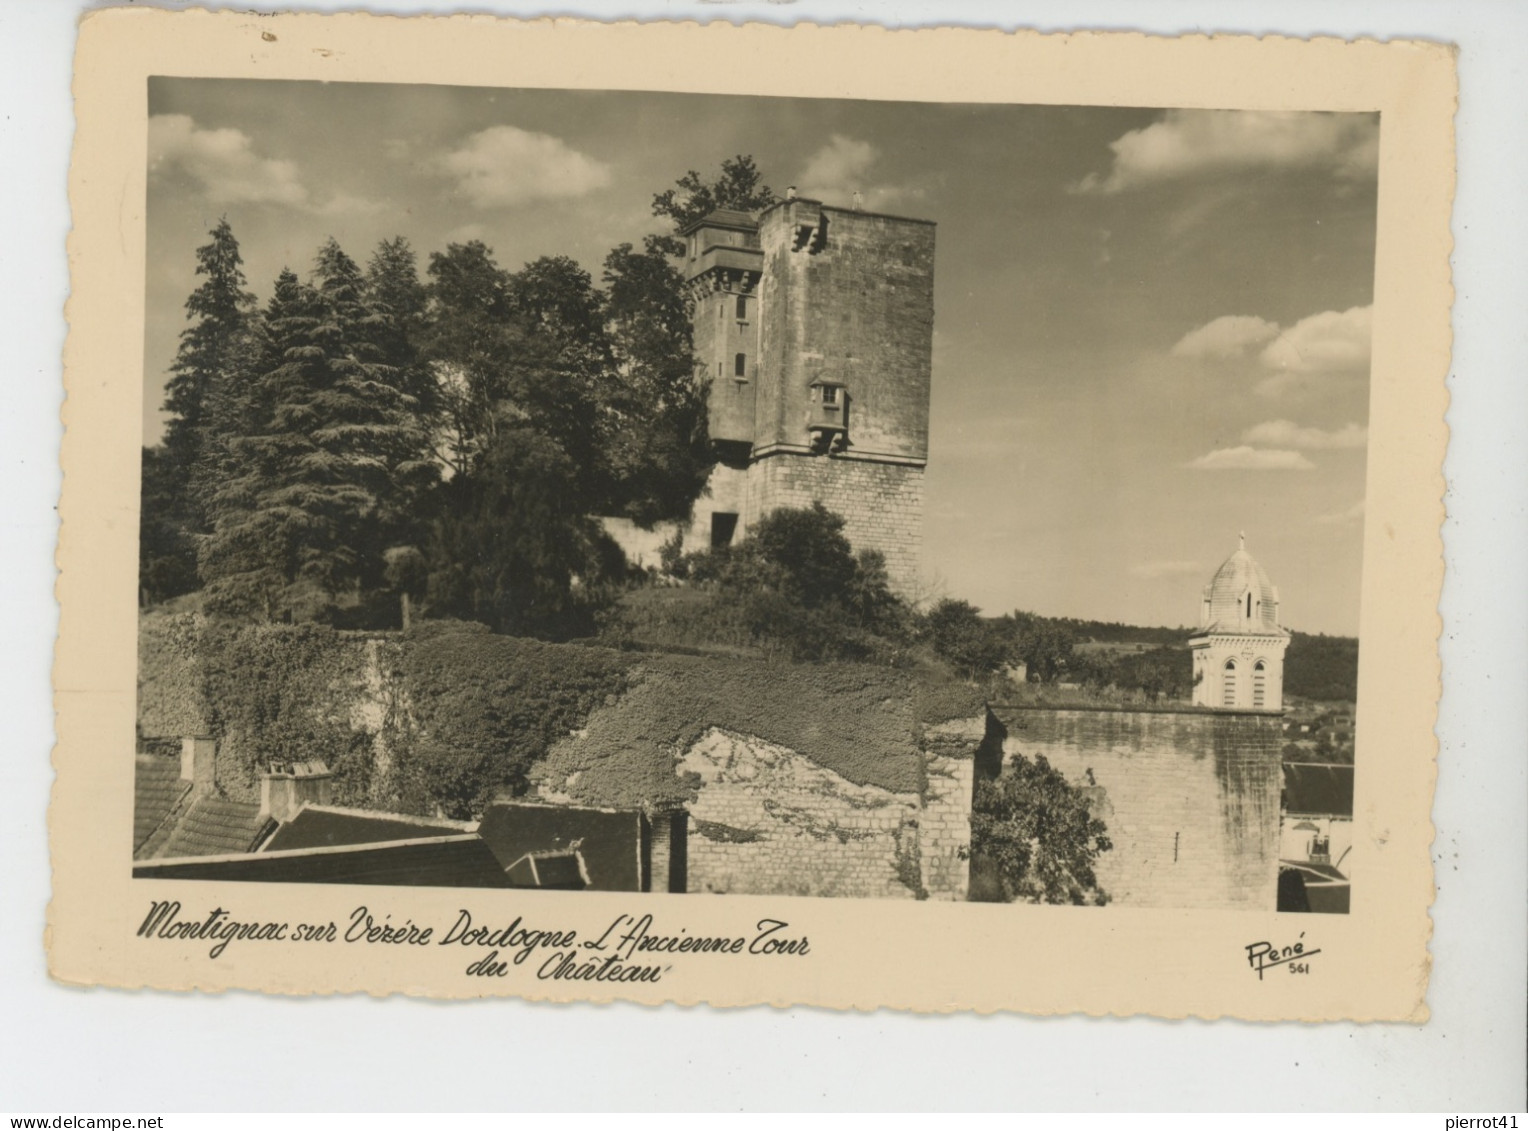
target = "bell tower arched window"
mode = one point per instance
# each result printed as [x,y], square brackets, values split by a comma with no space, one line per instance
[1259,684]
[1228,685]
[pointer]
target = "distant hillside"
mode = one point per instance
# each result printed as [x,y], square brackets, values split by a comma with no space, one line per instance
[1111,632]
[1153,659]
[1322,667]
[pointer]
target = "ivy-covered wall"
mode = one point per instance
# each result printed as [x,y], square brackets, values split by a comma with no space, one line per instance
[440,719]
[866,798]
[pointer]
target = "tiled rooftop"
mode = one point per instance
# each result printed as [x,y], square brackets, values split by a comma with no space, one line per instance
[157,788]
[322,826]
[549,870]
[214,826]
[461,861]
[609,841]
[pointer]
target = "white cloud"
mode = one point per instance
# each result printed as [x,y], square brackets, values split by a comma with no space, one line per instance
[347,204]
[503,166]
[466,233]
[1150,571]
[1188,143]
[223,162]
[1247,458]
[841,168]
[1355,513]
[1227,336]
[1288,434]
[1328,342]
[1332,342]
[842,161]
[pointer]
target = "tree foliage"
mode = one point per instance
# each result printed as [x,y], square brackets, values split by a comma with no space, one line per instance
[794,585]
[963,638]
[373,440]
[738,186]
[1034,838]
[212,358]
[330,469]
[657,448]
[1324,668]
[513,549]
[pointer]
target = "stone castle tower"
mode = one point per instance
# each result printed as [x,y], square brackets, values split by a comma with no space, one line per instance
[1239,648]
[814,331]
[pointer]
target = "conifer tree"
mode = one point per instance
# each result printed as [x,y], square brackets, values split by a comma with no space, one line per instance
[250,561]
[468,344]
[211,362]
[330,474]
[211,349]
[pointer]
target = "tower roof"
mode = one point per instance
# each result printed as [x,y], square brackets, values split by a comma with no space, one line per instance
[1227,607]
[723,218]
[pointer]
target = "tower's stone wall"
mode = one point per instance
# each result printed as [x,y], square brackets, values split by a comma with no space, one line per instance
[1191,799]
[882,503]
[849,297]
[720,337]
[807,295]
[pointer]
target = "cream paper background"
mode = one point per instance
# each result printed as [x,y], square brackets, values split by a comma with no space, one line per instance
[928,957]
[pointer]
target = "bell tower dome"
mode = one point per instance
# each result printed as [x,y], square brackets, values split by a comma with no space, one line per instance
[1239,648]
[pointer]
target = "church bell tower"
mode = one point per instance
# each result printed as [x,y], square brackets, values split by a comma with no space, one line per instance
[1239,648]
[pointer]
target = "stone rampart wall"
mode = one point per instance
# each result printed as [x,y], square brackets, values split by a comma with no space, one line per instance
[1191,799]
[769,820]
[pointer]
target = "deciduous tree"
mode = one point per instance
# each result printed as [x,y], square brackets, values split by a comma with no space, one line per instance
[739,186]
[1034,838]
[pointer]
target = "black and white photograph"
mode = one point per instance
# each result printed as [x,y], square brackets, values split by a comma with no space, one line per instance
[740,555]
[937,513]
[667,492]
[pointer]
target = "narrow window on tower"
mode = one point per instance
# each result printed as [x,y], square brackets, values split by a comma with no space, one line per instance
[1228,689]
[740,365]
[1259,683]
[742,307]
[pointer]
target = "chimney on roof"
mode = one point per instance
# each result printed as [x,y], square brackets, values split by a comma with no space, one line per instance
[288,786]
[198,761]
[667,833]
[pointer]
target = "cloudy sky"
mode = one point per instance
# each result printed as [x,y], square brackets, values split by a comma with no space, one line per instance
[1152,326]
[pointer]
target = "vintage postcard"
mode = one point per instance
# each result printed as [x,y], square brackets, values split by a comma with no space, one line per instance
[746,515]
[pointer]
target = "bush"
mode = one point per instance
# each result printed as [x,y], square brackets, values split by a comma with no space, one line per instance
[514,549]
[807,547]
[793,588]
[961,637]
[1034,839]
